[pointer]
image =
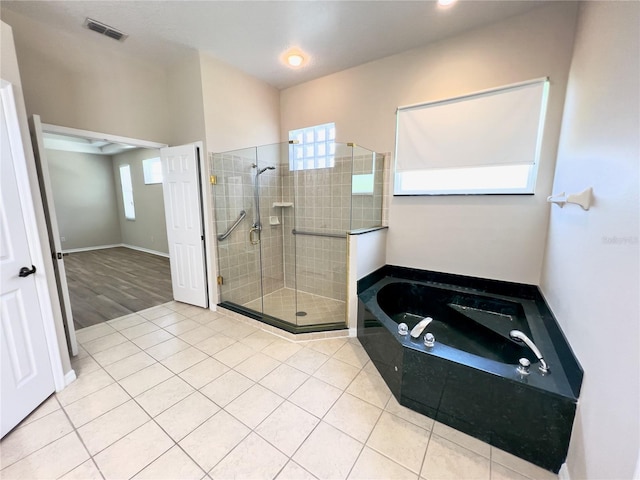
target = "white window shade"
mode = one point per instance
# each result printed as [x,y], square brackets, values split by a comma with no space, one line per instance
[497,128]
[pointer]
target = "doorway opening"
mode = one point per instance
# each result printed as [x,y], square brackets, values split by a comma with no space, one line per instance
[108,202]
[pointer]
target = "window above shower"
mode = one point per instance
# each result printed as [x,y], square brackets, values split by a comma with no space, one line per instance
[314,147]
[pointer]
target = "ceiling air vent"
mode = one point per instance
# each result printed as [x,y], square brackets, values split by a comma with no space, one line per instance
[99,27]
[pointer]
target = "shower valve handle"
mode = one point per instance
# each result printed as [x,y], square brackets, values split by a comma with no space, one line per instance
[254,235]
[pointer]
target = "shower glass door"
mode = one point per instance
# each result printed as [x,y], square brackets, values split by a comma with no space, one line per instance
[240,279]
[278,299]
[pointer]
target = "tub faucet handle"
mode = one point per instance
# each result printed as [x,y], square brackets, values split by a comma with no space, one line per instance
[429,340]
[523,366]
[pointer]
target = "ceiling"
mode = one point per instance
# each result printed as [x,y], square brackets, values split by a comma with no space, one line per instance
[253,35]
[68,143]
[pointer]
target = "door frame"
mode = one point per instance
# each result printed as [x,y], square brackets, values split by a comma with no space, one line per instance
[204,178]
[31,227]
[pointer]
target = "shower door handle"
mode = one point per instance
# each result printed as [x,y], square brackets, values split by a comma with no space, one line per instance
[254,235]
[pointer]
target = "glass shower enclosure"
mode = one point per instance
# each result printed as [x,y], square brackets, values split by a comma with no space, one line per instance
[282,218]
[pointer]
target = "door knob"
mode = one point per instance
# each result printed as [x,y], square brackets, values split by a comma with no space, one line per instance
[25,272]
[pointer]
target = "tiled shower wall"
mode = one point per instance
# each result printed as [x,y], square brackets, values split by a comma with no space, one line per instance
[321,202]
[239,260]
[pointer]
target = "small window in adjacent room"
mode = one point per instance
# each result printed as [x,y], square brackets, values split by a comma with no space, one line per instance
[482,143]
[315,147]
[152,170]
[127,192]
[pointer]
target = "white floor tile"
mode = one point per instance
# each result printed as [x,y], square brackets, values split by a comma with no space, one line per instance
[447,460]
[234,354]
[284,380]
[139,330]
[152,339]
[96,404]
[328,453]
[287,427]
[52,461]
[373,466]
[462,439]
[112,426]
[520,466]
[144,379]
[401,441]
[104,343]
[214,439]
[337,373]
[26,439]
[134,452]
[252,459]
[204,372]
[113,354]
[184,359]
[409,415]
[227,387]
[353,416]
[164,395]
[307,360]
[370,388]
[254,405]
[85,471]
[257,366]
[167,348]
[293,471]
[187,415]
[83,386]
[172,465]
[315,396]
[129,365]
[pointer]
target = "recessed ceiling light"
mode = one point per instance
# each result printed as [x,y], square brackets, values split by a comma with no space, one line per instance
[446,3]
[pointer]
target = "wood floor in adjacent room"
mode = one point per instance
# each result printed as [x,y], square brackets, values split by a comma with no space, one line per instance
[112,282]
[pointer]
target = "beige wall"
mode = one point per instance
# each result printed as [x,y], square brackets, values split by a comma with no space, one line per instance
[185,103]
[239,110]
[78,79]
[9,71]
[501,237]
[592,265]
[149,229]
[84,195]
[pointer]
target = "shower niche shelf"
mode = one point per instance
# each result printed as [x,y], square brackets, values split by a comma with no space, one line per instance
[282,204]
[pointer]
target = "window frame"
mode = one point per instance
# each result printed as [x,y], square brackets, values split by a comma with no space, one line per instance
[127,192]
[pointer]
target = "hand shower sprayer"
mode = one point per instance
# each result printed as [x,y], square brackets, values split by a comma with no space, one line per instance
[254,231]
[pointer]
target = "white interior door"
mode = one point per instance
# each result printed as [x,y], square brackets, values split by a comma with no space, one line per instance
[26,373]
[183,210]
[54,233]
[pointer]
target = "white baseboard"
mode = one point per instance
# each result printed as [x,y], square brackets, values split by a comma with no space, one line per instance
[88,249]
[102,247]
[563,474]
[69,377]
[146,250]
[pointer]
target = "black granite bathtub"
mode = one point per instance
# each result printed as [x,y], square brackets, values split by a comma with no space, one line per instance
[468,379]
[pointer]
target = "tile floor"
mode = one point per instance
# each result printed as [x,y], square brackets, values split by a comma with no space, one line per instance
[177,392]
[285,302]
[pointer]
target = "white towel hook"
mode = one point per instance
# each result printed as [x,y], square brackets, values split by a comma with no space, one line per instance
[583,199]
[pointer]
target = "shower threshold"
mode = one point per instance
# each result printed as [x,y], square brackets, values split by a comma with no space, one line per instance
[281,310]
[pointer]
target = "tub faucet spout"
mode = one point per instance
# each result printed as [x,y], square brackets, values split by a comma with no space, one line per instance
[419,328]
[518,336]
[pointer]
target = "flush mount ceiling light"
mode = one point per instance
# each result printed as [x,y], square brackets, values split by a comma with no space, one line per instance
[294,58]
[446,3]
[104,29]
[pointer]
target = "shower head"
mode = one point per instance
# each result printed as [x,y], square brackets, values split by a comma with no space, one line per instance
[260,172]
